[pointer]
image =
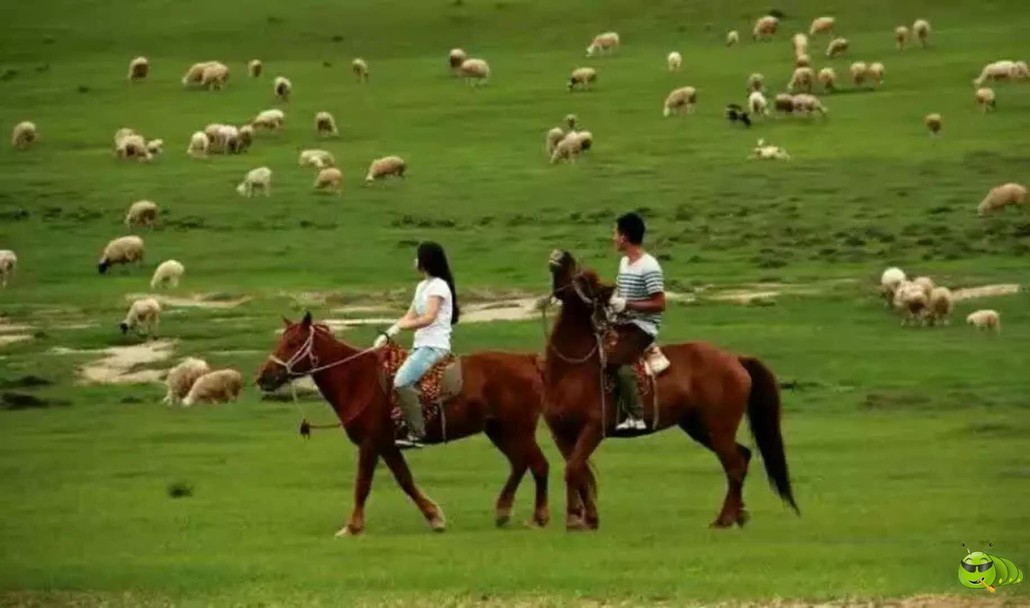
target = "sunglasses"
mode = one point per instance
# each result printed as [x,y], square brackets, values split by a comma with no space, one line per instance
[976,568]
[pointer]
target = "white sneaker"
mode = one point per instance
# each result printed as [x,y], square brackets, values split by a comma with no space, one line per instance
[631,424]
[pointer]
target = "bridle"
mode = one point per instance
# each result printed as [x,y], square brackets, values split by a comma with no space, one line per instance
[599,327]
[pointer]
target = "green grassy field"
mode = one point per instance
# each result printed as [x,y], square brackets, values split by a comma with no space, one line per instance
[903,442]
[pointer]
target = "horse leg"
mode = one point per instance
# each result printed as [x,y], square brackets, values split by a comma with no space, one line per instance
[430,510]
[517,460]
[574,500]
[367,459]
[523,451]
[735,459]
[578,475]
[538,467]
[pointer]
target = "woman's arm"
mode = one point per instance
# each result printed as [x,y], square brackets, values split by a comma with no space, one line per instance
[413,321]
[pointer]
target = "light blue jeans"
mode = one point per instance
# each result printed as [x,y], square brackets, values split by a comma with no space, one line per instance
[419,362]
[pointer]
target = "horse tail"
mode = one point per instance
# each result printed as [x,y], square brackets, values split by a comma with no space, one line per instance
[763,416]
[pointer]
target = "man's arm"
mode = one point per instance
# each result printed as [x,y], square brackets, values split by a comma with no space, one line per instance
[656,303]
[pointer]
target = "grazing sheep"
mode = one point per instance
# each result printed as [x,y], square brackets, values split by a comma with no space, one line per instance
[214,76]
[934,122]
[245,139]
[756,82]
[222,138]
[799,42]
[269,119]
[985,99]
[910,299]
[133,146]
[144,313]
[784,102]
[828,78]
[836,47]
[8,264]
[807,104]
[985,319]
[940,306]
[586,140]
[757,103]
[680,99]
[219,386]
[155,146]
[123,250]
[195,73]
[890,280]
[24,133]
[1002,70]
[875,73]
[475,71]
[765,27]
[282,87]
[138,69]
[921,28]
[1002,196]
[768,152]
[360,69]
[316,158]
[605,43]
[329,179]
[584,78]
[385,167]
[732,38]
[180,378]
[167,273]
[571,121]
[674,61]
[554,136]
[254,68]
[260,178]
[821,25]
[901,36]
[141,213]
[859,70]
[926,283]
[325,124]
[802,78]
[456,58]
[802,61]
[569,148]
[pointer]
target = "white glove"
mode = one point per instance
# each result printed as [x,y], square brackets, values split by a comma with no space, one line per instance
[385,336]
[617,303]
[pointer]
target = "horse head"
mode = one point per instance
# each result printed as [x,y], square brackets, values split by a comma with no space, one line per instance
[294,355]
[579,289]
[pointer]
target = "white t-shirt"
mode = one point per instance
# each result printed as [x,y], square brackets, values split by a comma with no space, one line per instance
[438,333]
[641,280]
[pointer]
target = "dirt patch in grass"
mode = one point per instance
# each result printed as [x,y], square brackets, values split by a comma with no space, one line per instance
[986,291]
[214,301]
[6,339]
[124,364]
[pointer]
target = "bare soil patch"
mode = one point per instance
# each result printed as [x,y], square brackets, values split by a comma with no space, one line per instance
[208,301]
[121,364]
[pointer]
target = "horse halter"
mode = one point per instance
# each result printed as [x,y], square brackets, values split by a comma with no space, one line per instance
[598,326]
[306,350]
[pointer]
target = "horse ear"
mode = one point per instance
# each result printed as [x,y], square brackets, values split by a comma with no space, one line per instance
[286,323]
[306,321]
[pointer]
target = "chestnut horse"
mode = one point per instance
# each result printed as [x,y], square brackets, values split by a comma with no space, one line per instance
[500,396]
[705,391]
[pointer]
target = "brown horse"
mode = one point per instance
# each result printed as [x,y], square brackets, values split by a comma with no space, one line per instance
[705,391]
[500,396]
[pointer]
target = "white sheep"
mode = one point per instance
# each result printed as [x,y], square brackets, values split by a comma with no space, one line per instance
[8,264]
[273,119]
[934,122]
[246,138]
[554,136]
[316,158]
[821,25]
[859,70]
[756,82]
[802,78]
[985,319]
[674,61]
[910,299]
[180,378]
[571,121]
[475,71]
[605,43]
[571,146]
[926,284]
[195,73]
[360,69]
[921,28]
[24,134]
[144,314]
[260,178]
[732,38]
[1002,196]
[890,280]
[802,61]
[382,168]
[784,102]
[133,146]
[455,58]
[940,306]
[985,99]
[584,78]
[765,27]
[828,78]
[199,143]
[282,87]
[766,151]
[757,103]
[875,72]
[222,138]
[167,273]
[901,36]
[254,68]
[329,179]
[139,68]
[214,76]
[219,386]
[836,47]
[682,98]
[1005,69]
[799,42]
[807,104]
[325,124]
[155,146]
[141,213]
[123,250]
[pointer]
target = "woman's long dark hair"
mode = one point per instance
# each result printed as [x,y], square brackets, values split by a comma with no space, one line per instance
[433,261]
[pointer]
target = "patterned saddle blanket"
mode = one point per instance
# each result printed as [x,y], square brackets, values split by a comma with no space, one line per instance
[441,383]
[648,367]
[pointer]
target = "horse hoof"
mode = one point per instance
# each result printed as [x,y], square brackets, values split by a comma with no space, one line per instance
[576,525]
[502,520]
[437,524]
[743,517]
[720,524]
[347,531]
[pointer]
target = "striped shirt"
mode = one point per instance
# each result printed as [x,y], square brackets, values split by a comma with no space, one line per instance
[641,280]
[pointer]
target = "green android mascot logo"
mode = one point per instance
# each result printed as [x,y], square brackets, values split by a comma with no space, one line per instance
[979,570]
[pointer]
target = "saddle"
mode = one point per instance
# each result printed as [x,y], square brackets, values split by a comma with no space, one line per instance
[439,385]
[648,367]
